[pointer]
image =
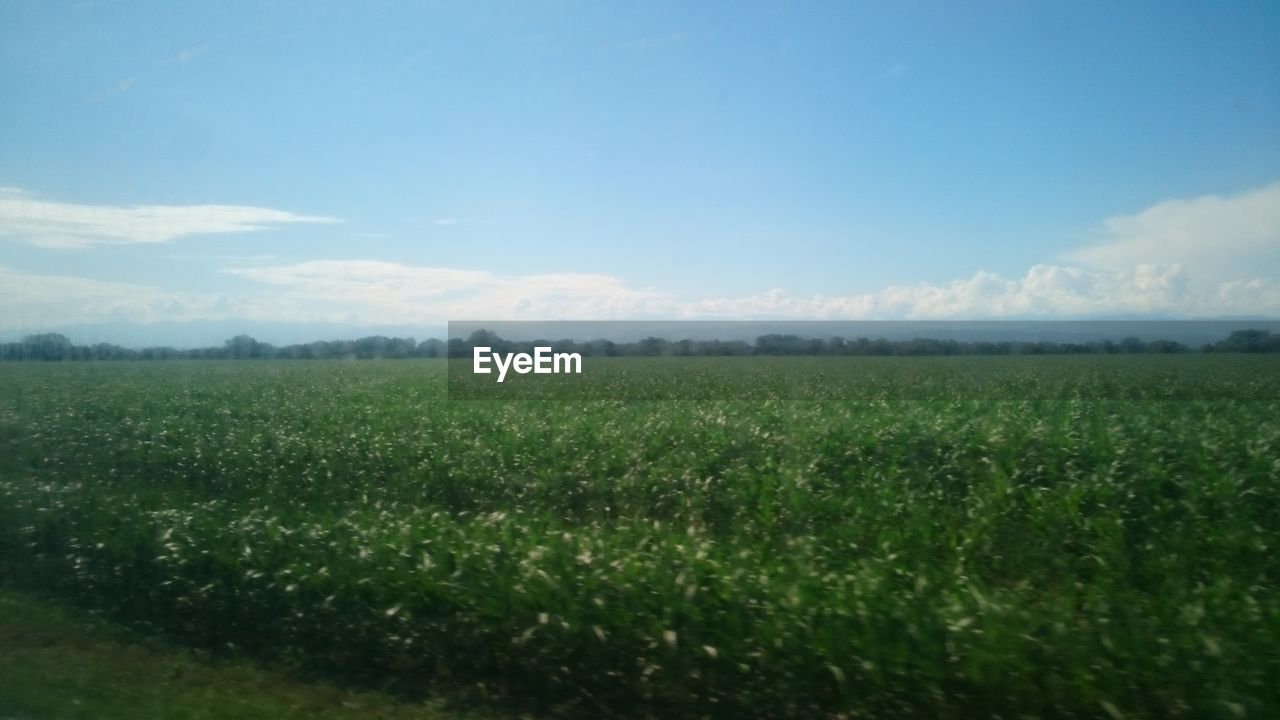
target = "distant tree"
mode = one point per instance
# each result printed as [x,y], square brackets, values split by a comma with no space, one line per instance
[103,351]
[48,346]
[1132,345]
[650,346]
[1248,341]
[775,344]
[880,347]
[244,346]
[600,348]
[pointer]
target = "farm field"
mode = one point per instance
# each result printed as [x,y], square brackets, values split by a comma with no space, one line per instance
[1064,537]
[62,663]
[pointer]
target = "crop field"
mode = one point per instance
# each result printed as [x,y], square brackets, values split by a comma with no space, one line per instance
[1012,553]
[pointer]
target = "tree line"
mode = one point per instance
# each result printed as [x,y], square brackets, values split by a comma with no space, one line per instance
[53,346]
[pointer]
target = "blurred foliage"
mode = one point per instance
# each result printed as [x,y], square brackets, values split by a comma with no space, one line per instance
[954,557]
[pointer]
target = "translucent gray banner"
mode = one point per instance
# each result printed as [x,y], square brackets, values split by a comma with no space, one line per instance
[864,360]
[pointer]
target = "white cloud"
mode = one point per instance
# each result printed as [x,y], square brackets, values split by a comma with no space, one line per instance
[1217,238]
[377,292]
[41,301]
[123,86]
[238,259]
[373,292]
[444,222]
[191,53]
[53,224]
[1045,291]
[1152,265]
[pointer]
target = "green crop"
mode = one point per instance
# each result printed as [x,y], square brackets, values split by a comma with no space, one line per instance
[1073,554]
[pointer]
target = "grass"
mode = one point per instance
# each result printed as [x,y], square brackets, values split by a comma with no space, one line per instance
[1086,556]
[62,663]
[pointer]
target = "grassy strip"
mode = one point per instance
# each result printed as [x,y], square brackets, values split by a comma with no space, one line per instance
[58,663]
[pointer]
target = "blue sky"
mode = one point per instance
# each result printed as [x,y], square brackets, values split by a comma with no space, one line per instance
[341,166]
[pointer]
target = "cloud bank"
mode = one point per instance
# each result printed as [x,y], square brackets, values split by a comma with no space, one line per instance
[1217,238]
[369,292]
[1204,257]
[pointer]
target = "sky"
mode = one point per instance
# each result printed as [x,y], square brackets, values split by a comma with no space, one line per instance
[174,173]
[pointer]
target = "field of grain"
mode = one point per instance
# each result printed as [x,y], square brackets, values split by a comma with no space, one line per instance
[1011,553]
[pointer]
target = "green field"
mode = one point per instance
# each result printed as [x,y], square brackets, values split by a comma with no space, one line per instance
[59,664]
[1010,551]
